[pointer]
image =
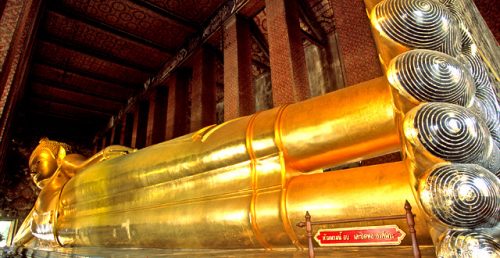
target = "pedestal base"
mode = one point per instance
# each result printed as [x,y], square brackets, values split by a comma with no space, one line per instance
[360,252]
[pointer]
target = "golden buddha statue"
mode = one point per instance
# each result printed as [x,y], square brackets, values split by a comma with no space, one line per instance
[241,184]
[247,182]
[51,166]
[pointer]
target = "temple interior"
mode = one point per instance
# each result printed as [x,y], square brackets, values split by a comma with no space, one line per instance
[136,73]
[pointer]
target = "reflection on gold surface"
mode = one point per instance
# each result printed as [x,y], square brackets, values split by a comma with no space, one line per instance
[242,184]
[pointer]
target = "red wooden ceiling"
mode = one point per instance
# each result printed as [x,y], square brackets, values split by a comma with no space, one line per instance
[79,33]
[90,56]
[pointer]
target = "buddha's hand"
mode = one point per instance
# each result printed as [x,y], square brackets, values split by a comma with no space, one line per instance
[114,151]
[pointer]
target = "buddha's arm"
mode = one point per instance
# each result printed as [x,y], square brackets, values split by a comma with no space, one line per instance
[74,163]
[24,235]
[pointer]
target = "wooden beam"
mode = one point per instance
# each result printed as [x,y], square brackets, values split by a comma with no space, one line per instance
[32,111]
[167,14]
[63,86]
[65,109]
[58,127]
[58,7]
[86,74]
[75,82]
[91,52]
[56,54]
[75,98]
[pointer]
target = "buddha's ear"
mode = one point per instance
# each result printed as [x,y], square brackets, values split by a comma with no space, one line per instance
[61,154]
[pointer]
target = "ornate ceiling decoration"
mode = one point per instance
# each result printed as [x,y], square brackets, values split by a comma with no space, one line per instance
[91,56]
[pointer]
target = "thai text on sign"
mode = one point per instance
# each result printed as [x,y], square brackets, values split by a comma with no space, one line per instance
[374,235]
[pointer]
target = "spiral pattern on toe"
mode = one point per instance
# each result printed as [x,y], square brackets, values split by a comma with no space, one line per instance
[431,76]
[418,24]
[467,244]
[492,161]
[486,102]
[467,44]
[489,112]
[461,195]
[476,67]
[451,132]
[456,8]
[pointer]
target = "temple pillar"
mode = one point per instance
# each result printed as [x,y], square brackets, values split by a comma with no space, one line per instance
[286,52]
[361,63]
[123,130]
[103,142]
[239,99]
[129,129]
[178,108]
[157,116]
[151,118]
[117,129]
[96,143]
[18,22]
[203,99]
[135,128]
[140,124]
[112,135]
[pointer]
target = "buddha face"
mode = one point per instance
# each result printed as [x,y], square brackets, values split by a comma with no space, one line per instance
[43,166]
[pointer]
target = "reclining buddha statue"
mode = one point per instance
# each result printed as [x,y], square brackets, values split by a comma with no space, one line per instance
[247,182]
[244,182]
[51,167]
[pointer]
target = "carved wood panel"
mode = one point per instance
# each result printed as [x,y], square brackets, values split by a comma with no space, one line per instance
[323,12]
[79,33]
[54,54]
[134,19]
[261,20]
[80,83]
[194,10]
[69,97]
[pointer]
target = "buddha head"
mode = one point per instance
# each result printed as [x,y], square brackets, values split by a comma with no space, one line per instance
[43,162]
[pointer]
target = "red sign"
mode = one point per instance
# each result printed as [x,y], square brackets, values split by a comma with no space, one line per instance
[375,235]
